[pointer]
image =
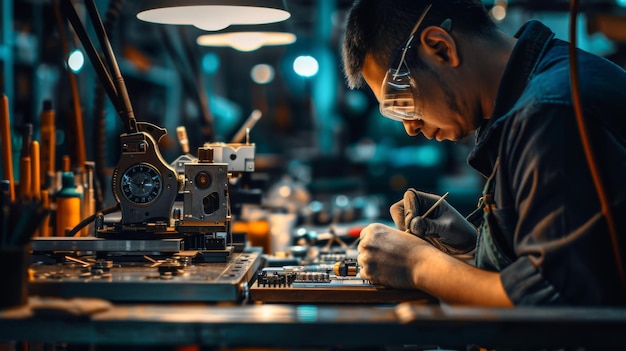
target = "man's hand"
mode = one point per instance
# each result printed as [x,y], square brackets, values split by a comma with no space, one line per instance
[391,257]
[445,227]
[397,259]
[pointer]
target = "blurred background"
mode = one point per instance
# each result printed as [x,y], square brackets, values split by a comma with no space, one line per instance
[319,146]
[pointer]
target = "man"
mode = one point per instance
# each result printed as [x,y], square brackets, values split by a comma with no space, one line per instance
[444,70]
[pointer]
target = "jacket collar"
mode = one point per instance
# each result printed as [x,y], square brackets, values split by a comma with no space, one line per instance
[533,39]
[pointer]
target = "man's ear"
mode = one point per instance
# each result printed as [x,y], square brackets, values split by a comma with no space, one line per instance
[440,45]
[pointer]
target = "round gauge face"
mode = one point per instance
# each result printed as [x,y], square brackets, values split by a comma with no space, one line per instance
[141,184]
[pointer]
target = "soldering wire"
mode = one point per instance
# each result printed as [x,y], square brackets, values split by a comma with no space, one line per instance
[591,161]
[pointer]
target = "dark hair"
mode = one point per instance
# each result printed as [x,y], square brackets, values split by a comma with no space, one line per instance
[379,27]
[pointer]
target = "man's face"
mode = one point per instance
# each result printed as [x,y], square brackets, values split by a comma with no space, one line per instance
[445,115]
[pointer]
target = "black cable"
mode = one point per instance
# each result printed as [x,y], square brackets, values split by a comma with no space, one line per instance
[593,167]
[86,221]
[99,130]
[126,113]
[105,78]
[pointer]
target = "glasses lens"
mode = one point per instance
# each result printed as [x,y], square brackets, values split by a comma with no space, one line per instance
[399,93]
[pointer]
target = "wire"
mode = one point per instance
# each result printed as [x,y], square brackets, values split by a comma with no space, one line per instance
[70,13]
[126,113]
[99,130]
[597,181]
[86,221]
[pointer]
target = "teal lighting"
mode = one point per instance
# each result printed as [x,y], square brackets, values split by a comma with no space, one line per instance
[420,155]
[356,101]
[307,314]
[210,63]
[429,156]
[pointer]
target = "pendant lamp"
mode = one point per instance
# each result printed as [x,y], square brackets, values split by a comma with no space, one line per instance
[213,15]
[248,38]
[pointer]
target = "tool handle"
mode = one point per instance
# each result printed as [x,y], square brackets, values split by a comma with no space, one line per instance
[7,148]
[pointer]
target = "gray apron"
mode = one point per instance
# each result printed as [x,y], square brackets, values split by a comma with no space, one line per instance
[493,245]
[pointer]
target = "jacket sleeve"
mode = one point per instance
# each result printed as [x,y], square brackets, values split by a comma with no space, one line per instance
[562,250]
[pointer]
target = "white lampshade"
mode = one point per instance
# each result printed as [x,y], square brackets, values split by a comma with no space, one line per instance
[213,15]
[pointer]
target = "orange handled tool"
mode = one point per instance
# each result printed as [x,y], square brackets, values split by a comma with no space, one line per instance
[7,148]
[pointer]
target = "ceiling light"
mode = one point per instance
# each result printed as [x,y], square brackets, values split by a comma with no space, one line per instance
[246,41]
[305,66]
[76,60]
[213,15]
[262,73]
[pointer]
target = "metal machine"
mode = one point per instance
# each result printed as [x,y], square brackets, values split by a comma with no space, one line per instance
[173,240]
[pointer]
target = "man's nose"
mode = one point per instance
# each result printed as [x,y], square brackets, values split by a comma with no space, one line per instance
[413,127]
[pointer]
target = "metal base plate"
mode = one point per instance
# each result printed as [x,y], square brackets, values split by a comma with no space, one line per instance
[148,281]
[83,244]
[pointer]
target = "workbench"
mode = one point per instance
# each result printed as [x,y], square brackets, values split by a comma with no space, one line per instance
[314,326]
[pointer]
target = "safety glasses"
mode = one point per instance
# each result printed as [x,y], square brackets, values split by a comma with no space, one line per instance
[399,90]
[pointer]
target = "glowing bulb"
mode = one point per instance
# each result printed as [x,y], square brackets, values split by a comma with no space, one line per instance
[76,61]
[498,12]
[305,66]
[262,73]
[246,41]
[249,42]
[284,191]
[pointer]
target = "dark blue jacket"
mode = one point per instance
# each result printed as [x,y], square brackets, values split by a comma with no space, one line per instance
[551,236]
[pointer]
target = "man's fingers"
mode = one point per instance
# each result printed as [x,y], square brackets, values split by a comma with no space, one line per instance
[397,214]
[411,208]
[426,226]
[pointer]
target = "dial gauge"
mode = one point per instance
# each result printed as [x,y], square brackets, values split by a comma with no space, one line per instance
[141,184]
